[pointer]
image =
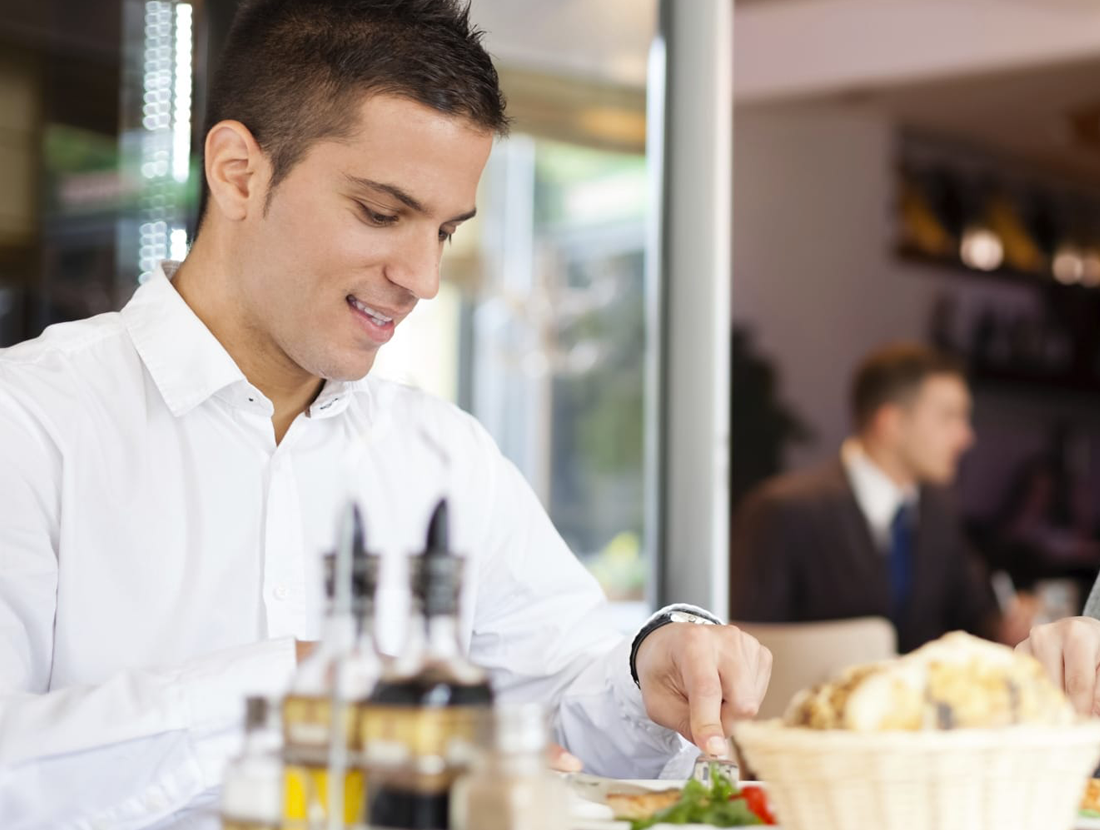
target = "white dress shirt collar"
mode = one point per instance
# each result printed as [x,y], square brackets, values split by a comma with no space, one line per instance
[877,495]
[189,365]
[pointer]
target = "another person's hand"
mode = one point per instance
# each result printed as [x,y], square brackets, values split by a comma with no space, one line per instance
[1069,650]
[700,679]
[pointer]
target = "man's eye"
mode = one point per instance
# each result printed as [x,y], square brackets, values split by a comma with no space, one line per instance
[376,218]
[445,236]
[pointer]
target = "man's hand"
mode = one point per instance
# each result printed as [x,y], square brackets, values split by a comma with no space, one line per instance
[1070,652]
[699,679]
[304,648]
[563,761]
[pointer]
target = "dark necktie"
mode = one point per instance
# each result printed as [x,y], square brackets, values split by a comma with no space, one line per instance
[902,532]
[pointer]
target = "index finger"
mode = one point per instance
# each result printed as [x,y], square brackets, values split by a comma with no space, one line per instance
[703,687]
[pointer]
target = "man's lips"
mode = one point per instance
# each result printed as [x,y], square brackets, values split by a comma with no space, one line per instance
[379,315]
[377,324]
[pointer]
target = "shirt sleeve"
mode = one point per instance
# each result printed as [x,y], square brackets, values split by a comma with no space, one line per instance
[138,746]
[541,627]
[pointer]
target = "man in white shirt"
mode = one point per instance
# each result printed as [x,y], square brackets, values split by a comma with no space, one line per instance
[873,532]
[172,472]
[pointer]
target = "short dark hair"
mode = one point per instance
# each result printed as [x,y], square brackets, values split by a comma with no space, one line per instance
[894,374]
[290,69]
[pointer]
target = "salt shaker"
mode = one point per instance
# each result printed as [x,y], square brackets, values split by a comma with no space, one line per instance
[511,787]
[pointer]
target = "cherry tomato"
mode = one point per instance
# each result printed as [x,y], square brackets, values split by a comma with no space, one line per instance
[757,801]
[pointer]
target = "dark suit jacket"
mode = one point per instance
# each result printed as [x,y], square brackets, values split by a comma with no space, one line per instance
[802,551]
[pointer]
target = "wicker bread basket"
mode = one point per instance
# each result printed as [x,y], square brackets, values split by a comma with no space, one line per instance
[1014,778]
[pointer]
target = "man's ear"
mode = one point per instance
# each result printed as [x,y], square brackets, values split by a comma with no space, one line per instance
[237,171]
[886,423]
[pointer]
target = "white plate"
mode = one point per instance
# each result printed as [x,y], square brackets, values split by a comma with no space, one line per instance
[625,825]
[592,824]
[587,815]
[598,816]
[1087,824]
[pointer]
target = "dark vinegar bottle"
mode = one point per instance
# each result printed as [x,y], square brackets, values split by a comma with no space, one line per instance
[419,725]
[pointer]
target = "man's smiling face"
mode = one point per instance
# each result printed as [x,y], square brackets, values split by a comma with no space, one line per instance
[352,237]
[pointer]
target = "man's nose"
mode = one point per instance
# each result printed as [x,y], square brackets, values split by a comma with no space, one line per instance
[416,269]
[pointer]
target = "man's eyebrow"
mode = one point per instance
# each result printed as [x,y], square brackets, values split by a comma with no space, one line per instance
[470,214]
[402,196]
[391,189]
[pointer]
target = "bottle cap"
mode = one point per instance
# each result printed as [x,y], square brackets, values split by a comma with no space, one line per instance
[436,574]
[257,711]
[365,565]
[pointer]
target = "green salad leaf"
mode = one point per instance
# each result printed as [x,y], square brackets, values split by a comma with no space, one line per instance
[700,804]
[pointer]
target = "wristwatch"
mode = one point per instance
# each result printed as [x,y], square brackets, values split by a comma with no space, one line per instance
[671,614]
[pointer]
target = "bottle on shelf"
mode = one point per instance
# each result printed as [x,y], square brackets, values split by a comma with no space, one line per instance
[321,704]
[419,726]
[252,790]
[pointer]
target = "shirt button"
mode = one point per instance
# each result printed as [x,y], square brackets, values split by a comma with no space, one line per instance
[281,592]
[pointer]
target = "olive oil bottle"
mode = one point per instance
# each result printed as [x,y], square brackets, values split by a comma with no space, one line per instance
[418,727]
[328,684]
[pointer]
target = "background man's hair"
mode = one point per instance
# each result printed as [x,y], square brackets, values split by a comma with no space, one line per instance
[293,71]
[894,374]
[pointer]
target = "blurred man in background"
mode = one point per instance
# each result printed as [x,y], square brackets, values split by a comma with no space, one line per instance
[874,532]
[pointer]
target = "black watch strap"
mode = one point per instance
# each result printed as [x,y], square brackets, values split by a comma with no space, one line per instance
[671,614]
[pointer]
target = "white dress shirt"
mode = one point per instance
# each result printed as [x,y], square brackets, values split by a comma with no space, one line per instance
[879,497]
[160,554]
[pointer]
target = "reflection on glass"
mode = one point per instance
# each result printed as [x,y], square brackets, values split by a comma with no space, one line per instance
[590,220]
[156,139]
[548,339]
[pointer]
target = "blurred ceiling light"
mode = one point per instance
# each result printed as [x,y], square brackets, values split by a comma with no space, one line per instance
[1068,265]
[1090,268]
[981,249]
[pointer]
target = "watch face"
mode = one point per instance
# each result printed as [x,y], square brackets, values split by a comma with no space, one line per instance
[684,616]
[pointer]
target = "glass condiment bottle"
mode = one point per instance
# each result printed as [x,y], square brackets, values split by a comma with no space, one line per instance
[418,726]
[252,789]
[328,685]
[510,786]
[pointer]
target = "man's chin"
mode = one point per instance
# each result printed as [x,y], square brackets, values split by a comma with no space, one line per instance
[940,478]
[348,371]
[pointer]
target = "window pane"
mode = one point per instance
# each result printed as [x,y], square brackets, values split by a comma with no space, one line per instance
[540,328]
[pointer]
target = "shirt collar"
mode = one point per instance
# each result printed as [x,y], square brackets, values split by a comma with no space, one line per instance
[186,361]
[335,396]
[877,495]
[189,365]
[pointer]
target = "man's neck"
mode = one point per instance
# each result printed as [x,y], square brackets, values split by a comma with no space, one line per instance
[205,282]
[888,462]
